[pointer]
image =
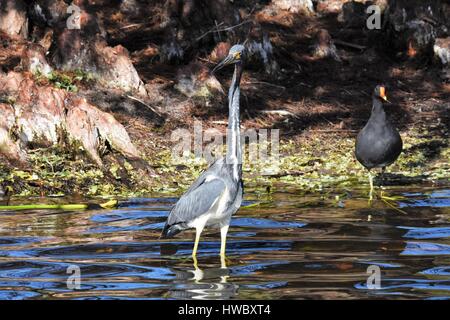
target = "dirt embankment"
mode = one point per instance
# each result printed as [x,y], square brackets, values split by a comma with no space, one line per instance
[92,110]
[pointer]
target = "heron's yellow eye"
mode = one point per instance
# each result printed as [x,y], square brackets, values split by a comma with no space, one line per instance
[237,55]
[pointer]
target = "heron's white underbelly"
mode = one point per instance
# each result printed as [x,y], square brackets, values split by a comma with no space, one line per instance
[215,215]
[218,212]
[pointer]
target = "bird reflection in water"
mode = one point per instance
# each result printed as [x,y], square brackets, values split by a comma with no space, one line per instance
[207,283]
[200,283]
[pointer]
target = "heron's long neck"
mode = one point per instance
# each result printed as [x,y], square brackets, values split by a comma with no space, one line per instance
[234,152]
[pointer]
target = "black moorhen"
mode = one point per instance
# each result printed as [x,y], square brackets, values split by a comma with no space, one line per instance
[378,144]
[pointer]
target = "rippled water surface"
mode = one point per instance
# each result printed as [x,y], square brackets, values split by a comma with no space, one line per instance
[288,246]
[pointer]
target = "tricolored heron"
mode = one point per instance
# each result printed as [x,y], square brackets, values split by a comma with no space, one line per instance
[378,144]
[217,193]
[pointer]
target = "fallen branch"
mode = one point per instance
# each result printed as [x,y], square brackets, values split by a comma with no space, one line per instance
[280,113]
[286,173]
[333,130]
[219,122]
[133,25]
[215,29]
[140,101]
[268,84]
[107,205]
[348,44]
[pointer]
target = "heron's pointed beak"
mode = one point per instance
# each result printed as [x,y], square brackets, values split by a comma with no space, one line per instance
[228,60]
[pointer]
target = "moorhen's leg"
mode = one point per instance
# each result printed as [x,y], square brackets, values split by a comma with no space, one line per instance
[383,170]
[371,186]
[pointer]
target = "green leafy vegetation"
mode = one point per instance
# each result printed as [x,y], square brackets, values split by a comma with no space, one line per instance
[318,164]
[70,80]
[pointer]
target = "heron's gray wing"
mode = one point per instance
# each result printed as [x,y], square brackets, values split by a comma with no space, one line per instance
[197,201]
[214,167]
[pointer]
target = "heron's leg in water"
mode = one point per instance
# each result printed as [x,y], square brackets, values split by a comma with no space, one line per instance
[223,242]
[371,186]
[198,231]
[198,273]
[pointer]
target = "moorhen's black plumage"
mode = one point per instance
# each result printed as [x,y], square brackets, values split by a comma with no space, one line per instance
[378,144]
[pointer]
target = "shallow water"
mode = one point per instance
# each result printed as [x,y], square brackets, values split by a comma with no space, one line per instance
[289,246]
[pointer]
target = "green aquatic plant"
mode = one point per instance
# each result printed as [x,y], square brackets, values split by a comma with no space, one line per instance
[320,164]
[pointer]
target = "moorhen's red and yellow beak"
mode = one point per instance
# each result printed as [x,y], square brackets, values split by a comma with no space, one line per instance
[383,94]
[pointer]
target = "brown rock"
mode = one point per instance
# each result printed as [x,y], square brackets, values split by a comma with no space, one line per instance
[10,52]
[195,80]
[33,60]
[295,6]
[412,26]
[442,50]
[86,49]
[74,52]
[335,6]
[324,46]
[38,116]
[10,82]
[39,112]
[117,70]
[329,6]
[148,53]
[112,66]
[90,126]
[81,128]
[13,18]
[353,14]
[8,146]
[48,12]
